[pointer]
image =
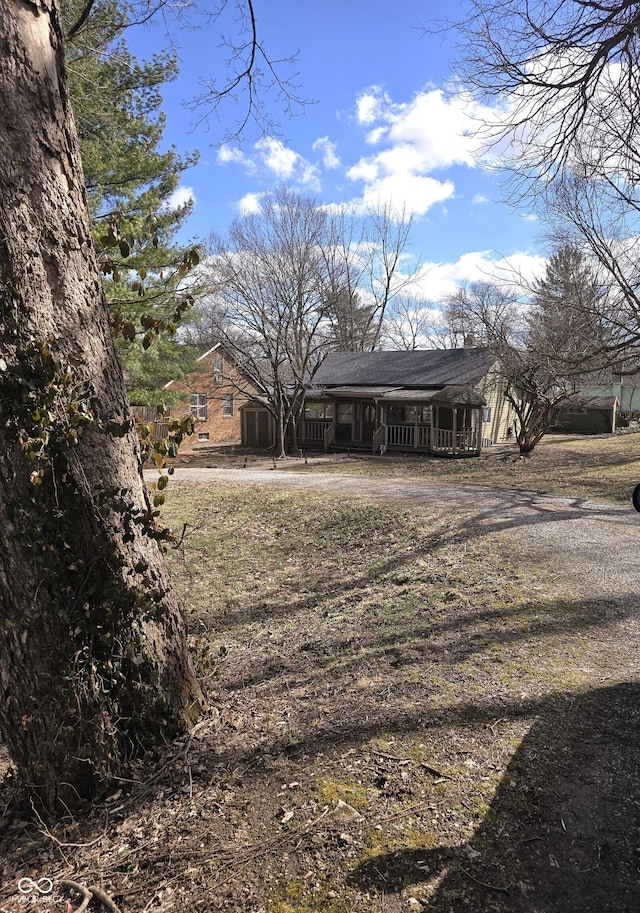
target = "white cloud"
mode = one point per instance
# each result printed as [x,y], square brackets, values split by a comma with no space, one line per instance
[286,164]
[480,198]
[432,131]
[227,154]
[250,204]
[368,104]
[411,193]
[328,150]
[180,196]
[279,161]
[441,279]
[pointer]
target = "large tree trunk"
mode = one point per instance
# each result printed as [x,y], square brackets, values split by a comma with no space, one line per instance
[93,656]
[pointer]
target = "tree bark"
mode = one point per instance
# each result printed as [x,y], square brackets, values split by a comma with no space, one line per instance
[94,666]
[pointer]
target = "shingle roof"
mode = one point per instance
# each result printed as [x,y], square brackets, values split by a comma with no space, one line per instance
[418,368]
[458,395]
[582,401]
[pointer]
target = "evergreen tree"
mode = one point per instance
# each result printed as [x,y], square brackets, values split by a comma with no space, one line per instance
[129,179]
[566,328]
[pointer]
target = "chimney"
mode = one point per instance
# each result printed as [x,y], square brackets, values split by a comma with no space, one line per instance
[469,340]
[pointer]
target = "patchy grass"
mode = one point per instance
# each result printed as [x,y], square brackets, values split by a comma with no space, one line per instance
[383,656]
[606,468]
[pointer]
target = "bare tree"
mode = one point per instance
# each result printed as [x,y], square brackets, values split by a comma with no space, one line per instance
[579,214]
[414,323]
[538,342]
[365,257]
[566,74]
[268,282]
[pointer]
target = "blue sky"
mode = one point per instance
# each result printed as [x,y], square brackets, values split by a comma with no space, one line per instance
[384,123]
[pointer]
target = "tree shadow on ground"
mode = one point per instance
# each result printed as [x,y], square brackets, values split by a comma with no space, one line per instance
[561,835]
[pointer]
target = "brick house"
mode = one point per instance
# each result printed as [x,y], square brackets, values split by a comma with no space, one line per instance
[214,394]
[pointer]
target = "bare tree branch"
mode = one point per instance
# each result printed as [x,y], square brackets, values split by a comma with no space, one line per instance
[566,76]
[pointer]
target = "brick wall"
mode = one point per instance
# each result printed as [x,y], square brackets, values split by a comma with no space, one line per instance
[222,390]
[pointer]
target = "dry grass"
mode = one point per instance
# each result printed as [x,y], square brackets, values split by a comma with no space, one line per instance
[380,656]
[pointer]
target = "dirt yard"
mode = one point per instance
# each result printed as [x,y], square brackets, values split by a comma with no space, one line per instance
[422,697]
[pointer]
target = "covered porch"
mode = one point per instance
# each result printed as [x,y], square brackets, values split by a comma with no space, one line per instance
[446,422]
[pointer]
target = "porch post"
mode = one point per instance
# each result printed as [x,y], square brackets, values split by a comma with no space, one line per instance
[455,429]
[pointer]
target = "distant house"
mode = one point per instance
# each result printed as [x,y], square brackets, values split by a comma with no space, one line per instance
[584,414]
[624,386]
[214,395]
[447,402]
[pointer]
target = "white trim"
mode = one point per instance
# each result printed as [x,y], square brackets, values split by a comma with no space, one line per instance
[212,349]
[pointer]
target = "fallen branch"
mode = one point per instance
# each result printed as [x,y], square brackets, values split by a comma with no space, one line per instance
[434,771]
[89,892]
[391,757]
[484,884]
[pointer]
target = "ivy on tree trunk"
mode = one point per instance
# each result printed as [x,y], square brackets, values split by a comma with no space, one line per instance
[94,666]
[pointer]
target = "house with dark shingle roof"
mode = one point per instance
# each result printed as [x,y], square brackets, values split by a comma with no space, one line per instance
[446,402]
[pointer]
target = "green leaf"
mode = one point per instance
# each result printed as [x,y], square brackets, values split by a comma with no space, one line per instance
[125,250]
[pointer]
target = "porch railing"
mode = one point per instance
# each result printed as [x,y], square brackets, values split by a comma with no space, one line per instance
[424,437]
[315,429]
[421,437]
[329,435]
[401,435]
[464,441]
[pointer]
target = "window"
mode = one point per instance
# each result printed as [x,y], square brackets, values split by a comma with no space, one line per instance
[318,411]
[486,413]
[398,415]
[217,369]
[198,405]
[227,405]
[203,436]
[345,413]
[344,422]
